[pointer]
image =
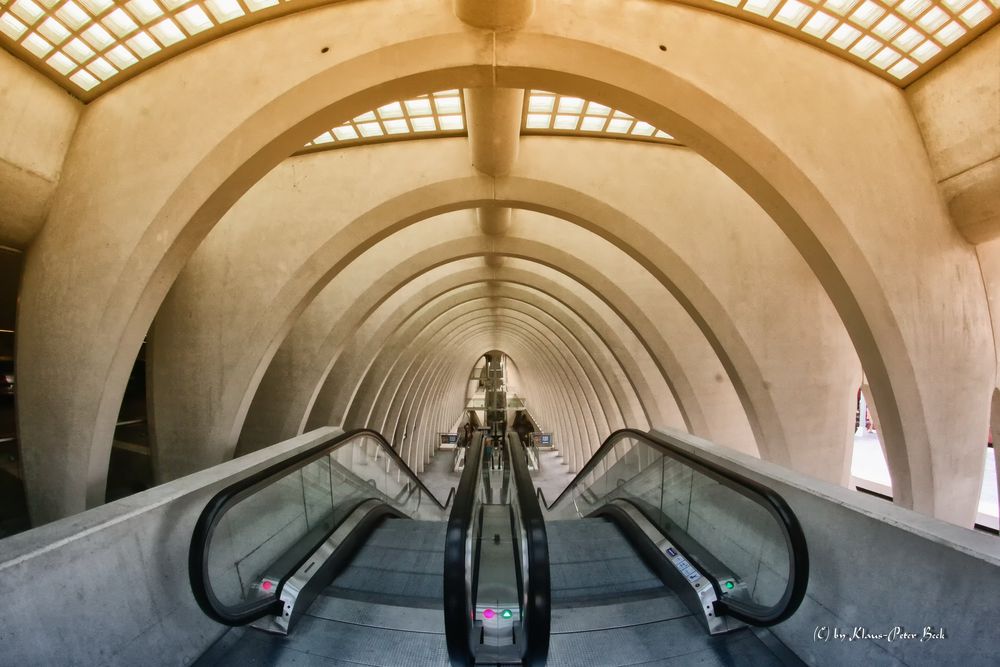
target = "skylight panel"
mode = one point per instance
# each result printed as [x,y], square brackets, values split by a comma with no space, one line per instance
[595,109]
[167,32]
[926,51]
[886,57]
[911,9]
[393,110]
[453,122]
[102,68]
[619,125]
[537,120]
[27,11]
[448,105]
[541,103]
[194,19]
[120,23]
[73,15]
[760,7]
[60,63]
[98,37]
[889,27]
[866,46]
[224,10]
[257,5]
[903,68]
[910,38]
[400,119]
[84,79]
[792,13]
[55,31]
[96,7]
[419,107]
[565,122]
[122,57]
[78,50]
[129,32]
[949,33]
[642,129]
[976,14]
[867,13]
[842,7]
[933,19]
[11,27]
[570,105]
[397,126]
[820,25]
[574,115]
[844,36]
[143,45]
[423,124]
[37,45]
[370,130]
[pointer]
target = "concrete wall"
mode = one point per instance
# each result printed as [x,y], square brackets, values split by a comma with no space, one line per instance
[876,566]
[110,586]
[957,106]
[39,118]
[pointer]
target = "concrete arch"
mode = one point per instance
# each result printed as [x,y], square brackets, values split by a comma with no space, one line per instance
[571,417]
[384,220]
[585,392]
[447,250]
[598,55]
[559,308]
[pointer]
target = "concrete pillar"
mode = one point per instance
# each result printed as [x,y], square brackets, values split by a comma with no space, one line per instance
[494,119]
[495,14]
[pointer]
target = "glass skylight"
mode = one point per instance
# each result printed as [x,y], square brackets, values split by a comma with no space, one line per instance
[899,39]
[87,44]
[551,113]
[438,114]
[90,45]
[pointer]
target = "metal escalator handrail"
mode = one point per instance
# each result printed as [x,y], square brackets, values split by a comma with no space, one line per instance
[458,566]
[537,616]
[795,541]
[221,502]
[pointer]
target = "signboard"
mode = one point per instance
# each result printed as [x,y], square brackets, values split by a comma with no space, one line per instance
[541,439]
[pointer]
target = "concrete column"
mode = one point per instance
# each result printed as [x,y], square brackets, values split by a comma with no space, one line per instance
[495,14]
[494,118]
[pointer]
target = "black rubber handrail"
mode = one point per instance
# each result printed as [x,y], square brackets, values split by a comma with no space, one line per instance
[458,577]
[795,540]
[537,614]
[221,502]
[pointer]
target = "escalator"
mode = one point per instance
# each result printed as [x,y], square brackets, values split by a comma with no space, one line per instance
[658,557]
[341,556]
[334,557]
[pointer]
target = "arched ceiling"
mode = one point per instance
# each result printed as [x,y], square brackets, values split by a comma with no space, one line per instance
[90,46]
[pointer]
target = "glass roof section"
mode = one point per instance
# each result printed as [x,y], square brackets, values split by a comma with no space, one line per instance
[440,114]
[551,113]
[89,46]
[898,39]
